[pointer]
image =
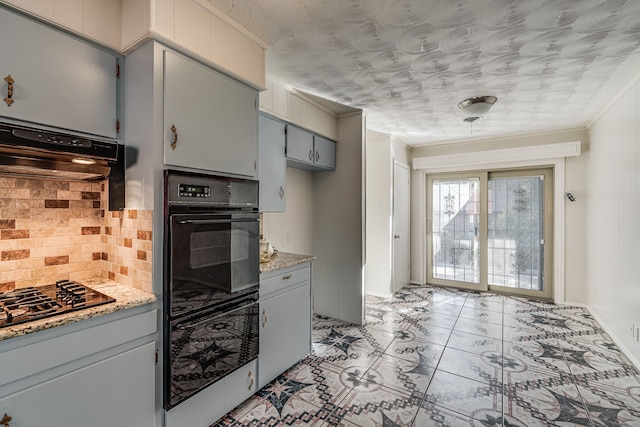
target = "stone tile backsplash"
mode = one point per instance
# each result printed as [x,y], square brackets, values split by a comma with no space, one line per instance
[127,256]
[52,230]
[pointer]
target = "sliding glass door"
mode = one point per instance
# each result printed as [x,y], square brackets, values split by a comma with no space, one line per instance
[491,230]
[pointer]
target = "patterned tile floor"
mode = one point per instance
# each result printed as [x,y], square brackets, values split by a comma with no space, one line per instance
[431,356]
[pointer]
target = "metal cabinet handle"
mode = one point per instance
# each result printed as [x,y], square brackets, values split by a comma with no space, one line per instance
[5,420]
[250,380]
[9,99]
[287,277]
[310,155]
[264,317]
[317,156]
[175,137]
[281,192]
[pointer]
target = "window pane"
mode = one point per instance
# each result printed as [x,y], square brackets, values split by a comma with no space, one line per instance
[516,232]
[455,216]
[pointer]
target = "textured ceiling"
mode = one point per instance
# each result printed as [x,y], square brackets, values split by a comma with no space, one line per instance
[407,63]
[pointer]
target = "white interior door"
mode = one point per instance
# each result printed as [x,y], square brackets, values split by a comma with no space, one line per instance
[401,223]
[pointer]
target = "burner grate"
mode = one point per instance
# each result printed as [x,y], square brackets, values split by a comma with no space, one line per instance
[32,303]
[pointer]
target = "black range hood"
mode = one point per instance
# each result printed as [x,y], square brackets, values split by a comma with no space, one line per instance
[40,153]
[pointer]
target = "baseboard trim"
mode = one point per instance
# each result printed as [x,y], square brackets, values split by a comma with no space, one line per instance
[632,358]
[574,304]
[375,294]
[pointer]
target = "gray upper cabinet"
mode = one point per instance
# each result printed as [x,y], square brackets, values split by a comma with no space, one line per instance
[51,78]
[210,120]
[299,145]
[308,151]
[325,152]
[273,167]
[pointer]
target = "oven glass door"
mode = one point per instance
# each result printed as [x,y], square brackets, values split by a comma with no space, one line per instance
[207,347]
[210,254]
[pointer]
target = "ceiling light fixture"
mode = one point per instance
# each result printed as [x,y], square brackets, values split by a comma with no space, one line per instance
[476,107]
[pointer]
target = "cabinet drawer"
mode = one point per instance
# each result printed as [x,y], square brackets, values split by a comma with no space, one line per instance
[284,280]
[28,360]
[240,384]
[208,405]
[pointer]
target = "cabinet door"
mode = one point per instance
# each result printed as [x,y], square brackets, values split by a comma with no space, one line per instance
[118,391]
[325,153]
[285,333]
[273,167]
[57,80]
[215,119]
[299,145]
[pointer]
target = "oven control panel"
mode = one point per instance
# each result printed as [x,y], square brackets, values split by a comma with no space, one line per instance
[211,191]
[186,190]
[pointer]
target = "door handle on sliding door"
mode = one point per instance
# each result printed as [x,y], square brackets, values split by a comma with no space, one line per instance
[429,226]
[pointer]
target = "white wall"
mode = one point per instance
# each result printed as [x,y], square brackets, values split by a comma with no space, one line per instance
[381,151]
[575,212]
[338,240]
[576,228]
[292,230]
[324,218]
[299,110]
[400,152]
[325,210]
[200,30]
[99,21]
[378,214]
[613,228]
[418,210]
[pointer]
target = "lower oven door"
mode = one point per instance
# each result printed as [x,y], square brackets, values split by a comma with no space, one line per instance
[210,253]
[205,348]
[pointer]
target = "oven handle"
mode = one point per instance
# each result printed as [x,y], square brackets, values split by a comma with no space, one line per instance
[215,221]
[182,326]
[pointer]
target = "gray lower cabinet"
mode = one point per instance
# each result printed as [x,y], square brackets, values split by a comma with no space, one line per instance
[210,120]
[285,323]
[51,78]
[308,151]
[273,166]
[100,376]
[115,391]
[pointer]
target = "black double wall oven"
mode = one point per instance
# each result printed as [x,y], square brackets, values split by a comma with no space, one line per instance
[211,283]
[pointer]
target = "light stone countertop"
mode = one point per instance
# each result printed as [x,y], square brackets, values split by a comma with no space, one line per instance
[284,260]
[125,296]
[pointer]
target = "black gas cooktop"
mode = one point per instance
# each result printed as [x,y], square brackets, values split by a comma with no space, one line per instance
[26,304]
